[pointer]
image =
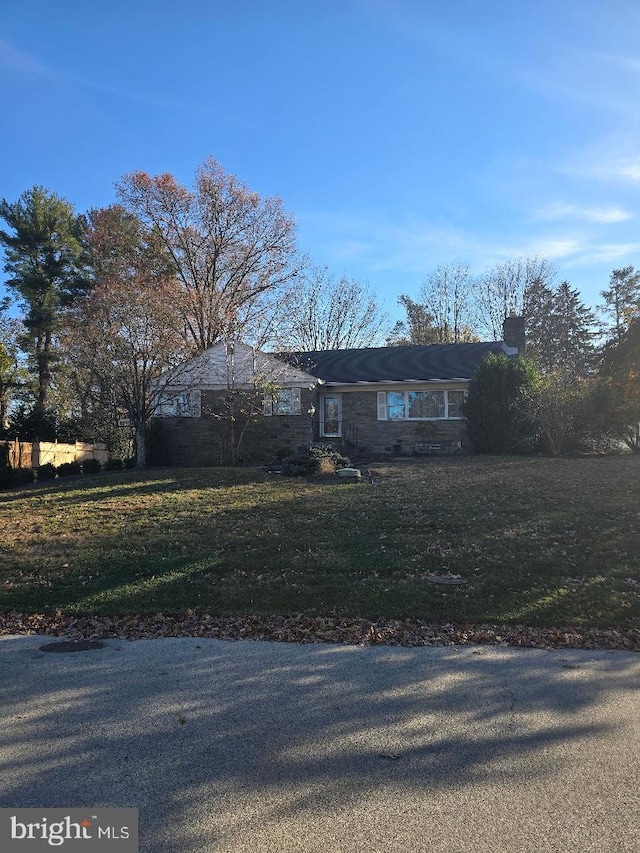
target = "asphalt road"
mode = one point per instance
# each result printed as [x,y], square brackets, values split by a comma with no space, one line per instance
[240,746]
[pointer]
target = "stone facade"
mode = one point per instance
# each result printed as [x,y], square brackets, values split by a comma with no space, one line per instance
[405,437]
[194,426]
[206,440]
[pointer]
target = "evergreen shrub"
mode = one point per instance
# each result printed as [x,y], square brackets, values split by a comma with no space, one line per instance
[46,472]
[307,462]
[69,469]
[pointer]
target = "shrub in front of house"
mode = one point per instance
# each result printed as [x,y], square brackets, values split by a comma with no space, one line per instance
[315,459]
[497,408]
[114,465]
[91,466]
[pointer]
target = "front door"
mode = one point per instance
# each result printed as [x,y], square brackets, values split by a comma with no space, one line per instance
[331,415]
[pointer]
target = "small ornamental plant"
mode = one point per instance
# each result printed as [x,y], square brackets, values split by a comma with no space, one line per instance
[315,459]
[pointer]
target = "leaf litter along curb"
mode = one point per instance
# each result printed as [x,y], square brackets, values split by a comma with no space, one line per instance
[317,629]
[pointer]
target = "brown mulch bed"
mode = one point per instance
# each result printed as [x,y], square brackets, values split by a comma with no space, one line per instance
[317,629]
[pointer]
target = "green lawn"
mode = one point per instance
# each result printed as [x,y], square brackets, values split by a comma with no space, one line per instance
[539,541]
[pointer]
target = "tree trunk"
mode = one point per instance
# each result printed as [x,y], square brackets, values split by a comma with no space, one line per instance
[4,405]
[141,448]
[43,355]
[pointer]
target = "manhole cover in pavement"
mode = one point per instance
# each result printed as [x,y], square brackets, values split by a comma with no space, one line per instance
[72,646]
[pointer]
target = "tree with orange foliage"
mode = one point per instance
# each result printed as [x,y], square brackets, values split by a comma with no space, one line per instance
[230,247]
[126,333]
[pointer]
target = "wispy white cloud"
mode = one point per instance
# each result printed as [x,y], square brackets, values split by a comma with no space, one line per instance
[628,170]
[615,160]
[414,246]
[602,215]
[25,65]
[630,63]
[395,256]
[606,253]
[604,84]
[553,248]
[19,62]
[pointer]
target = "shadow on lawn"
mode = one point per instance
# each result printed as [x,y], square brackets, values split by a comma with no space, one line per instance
[236,540]
[290,548]
[219,742]
[111,484]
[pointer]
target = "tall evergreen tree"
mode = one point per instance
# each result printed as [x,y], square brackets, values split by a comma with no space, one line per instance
[47,262]
[574,331]
[621,300]
[538,318]
[620,378]
[560,329]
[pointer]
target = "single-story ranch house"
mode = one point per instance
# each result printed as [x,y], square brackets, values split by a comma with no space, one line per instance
[387,400]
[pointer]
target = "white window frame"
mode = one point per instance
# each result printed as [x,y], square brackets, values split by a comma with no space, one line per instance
[464,397]
[435,402]
[401,408]
[274,404]
[179,404]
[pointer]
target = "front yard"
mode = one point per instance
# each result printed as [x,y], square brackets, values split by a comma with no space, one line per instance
[539,542]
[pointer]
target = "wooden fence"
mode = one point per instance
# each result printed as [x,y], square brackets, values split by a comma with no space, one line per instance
[25,454]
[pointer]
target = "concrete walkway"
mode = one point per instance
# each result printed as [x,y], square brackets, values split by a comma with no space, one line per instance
[247,746]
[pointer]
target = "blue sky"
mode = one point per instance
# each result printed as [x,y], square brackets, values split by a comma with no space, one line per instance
[401,134]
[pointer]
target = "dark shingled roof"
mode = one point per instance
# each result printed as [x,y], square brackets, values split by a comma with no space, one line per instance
[395,364]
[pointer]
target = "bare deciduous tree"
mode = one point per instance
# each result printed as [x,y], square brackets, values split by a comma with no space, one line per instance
[445,311]
[447,295]
[128,336]
[500,291]
[325,313]
[229,246]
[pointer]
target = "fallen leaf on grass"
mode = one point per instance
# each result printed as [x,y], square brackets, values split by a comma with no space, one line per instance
[303,628]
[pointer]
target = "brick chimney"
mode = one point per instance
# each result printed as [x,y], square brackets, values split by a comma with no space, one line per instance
[513,333]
